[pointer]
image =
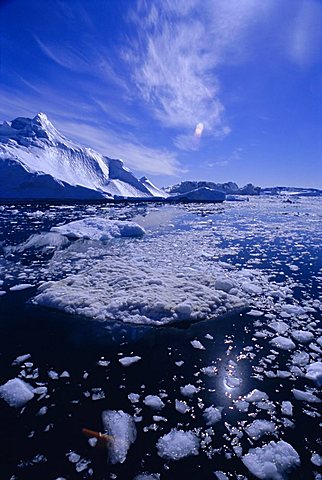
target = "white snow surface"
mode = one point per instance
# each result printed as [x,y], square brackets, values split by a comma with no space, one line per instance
[178,444]
[36,161]
[121,427]
[273,461]
[96,228]
[16,392]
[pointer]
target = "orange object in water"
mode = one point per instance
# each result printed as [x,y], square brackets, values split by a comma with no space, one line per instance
[102,438]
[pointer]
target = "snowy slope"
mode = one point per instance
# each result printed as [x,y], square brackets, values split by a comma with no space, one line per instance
[36,161]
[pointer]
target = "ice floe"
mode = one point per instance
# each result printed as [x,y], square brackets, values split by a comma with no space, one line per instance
[314,373]
[121,427]
[178,444]
[95,228]
[16,392]
[273,461]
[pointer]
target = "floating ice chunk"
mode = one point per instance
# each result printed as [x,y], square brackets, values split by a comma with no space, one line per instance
[179,363]
[300,359]
[251,288]
[256,396]
[258,428]
[2,292]
[181,407]
[293,310]
[121,427]
[255,313]
[283,343]
[210,371]
[133,397]
[21,359]
[314,373]
[178,444]
[154,402]
[287,408]
[242,406]
[302,336]
[316,459]
[273,461]
[21,286]
[42,241]
[95,228]
[224,284]
[198,345]
[220,475]
[305,396]
[127,361]
[73,457]
[189,390]
[212,415]
[16,392]
[279,327]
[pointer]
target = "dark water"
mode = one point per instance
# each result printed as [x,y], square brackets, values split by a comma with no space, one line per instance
[35,447]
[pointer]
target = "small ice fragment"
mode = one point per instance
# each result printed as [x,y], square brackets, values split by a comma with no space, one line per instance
[314,373]
[127,361]
[16,392]
[316,459]
[189,390]
[147,476]
[305,396]
[178,444]
[21,286]
[198,345]
[212,415]
[258,428]
[302,336]
[179,363]
[154,402]
[279,327]
[21,359]
[283,343]
[287,408]
[181,407]
[133,397]
[256,396]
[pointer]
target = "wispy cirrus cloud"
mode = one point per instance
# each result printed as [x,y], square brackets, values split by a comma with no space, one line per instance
[178,48]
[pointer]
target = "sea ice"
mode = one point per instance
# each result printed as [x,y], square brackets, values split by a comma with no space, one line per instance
[121,427]
[21,286]
[16,393]
[302,336]
[283,343]
[95,228]
[305,396]
[178,444]
[189,390]
[181,407]
[256,396]
[287,408]
[154,402]
[198,345]
[314,373]
[258,428]
[273,461]
[127,361]
[212,415]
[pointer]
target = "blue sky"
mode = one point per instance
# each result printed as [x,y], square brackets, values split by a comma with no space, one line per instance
[187,89]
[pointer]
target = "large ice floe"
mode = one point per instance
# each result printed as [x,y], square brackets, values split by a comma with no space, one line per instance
[274,461]
[162,280]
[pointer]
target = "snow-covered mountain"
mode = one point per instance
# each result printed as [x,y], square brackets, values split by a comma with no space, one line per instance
[36,161]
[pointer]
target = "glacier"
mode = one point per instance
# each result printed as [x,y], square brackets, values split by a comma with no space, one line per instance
[38,162]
